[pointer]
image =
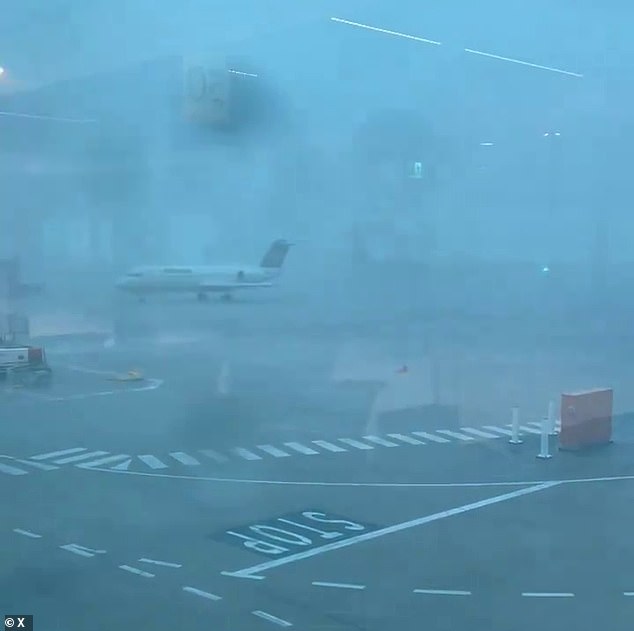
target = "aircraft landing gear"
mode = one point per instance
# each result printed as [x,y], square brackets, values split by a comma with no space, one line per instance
[202,296]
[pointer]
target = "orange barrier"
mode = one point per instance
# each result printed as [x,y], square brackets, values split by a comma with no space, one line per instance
[586,419]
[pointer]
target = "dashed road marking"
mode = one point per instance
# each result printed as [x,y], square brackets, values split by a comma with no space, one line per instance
[329,446]
[548,594]
[161,563]
[529,430]
[134,570]
[81,551]
[339,585]
[184,458]
[27,533]
[443,592]
[54,454]
[355,443]
[274,451]
[152,461]
[200,592]
[406,439]
[299,448]
[272,618]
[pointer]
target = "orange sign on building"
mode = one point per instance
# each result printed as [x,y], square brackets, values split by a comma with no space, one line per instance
[586,419]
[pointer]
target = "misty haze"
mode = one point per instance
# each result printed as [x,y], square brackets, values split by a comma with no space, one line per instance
[316,315]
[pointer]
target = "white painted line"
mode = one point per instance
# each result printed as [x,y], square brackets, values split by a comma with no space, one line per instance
[406,439]
[339,585]
[214,455]
[501,430]
[432,437]
[273,451]
[134,570]
[386,32]
[272,618]
[82,551]
[458,435]
[380,441]
[246,454]
[299,448]
[529,430]
[184,458]
[478,432]
[329,446]
[200,592]
[54,454]
[102,461]
[355,443]
[443,592]
[161,563]
[38,465]
[254,571]
[548,594]
[152,461]
[88,456]
[482,484]
[27,533]
[628,593]
[524,63]
[49,118]
[120,467]
[5,468]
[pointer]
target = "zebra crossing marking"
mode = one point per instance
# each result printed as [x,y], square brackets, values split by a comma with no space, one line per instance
[380,441]
[5,468]
[54,454]
[274,451]
[299,448]
[152,461]
[328,446]
[81,457]
[101,461]
[214,455]
[406,439]
[432,437]
[246,454]
[355,443]
[479,433]
[73,459]
[458,435]
[184,458]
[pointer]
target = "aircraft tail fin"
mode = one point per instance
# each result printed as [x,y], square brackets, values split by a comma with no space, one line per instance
[276,254]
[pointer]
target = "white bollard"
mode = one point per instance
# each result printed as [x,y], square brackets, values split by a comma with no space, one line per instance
[543,447]
[515,428]
[552,428]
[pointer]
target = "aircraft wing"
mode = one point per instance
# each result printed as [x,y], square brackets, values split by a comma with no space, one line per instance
[230,286]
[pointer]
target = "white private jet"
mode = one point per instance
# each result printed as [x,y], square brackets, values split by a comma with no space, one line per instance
[207,279]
